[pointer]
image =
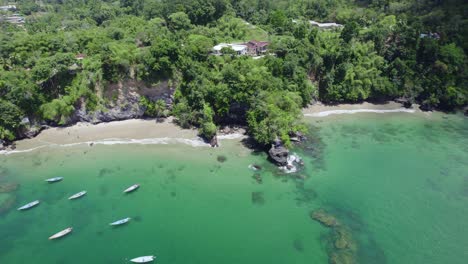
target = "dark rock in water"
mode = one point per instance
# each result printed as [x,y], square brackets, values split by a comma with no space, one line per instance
[137,218]
[279,154]
[298,245]
[256,167]
[426,107]
[324,218]
[2,145]
[406,102]
[214,142]
[257,198]
[258,178]
[221,158]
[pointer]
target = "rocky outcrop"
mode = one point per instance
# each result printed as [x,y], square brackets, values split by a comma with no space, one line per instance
[214,142]
[342,248]
[279,154]
[324,218]
[406,102]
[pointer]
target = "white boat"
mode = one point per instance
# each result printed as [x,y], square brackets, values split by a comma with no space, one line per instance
[144,259]
[29,205]
[56,179]
[131,188]
[120,222]
[77,195]
[61,233]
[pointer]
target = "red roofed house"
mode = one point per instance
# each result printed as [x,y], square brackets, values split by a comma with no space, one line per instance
[256,47]
[80,56]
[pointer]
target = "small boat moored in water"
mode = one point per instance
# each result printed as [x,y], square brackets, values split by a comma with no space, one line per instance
[29,205]
[144,259]
[131,188]
[56,179]
[77,195]
[120,222]
[61,233]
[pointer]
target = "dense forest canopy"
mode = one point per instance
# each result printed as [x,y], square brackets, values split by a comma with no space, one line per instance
[67,54]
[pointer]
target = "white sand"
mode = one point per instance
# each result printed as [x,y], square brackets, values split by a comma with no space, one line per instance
[321,110]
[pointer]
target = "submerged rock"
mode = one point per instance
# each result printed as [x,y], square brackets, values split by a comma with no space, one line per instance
[257,198]
[221,158]
[7,204]
[255,167]
[342,257]
[8,187]
[324,218]
[258,178]
[298,245]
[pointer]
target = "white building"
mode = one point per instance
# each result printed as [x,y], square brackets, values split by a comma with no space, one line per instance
[7,7]
[325,25]
[240,49]
[328,25]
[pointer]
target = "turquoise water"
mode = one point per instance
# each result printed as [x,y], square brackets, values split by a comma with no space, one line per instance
[398,182]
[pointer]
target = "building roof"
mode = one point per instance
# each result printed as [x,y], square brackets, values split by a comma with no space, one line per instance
[235,47]
[258,44]
[80,56]
[324,25]
[8,7]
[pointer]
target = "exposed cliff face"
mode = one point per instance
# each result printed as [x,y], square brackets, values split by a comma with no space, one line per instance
[123,101]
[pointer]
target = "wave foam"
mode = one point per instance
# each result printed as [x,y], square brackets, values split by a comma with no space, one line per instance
[355,111]
[231,136]
[197,142]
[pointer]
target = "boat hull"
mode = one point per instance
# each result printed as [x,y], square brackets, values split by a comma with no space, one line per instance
[56,179]
[120,222]
[144,259]
[28,206]
[61,233]
[131,188]
[78,195]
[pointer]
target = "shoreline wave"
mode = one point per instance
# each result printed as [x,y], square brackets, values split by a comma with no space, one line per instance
[194,142]
[355,111]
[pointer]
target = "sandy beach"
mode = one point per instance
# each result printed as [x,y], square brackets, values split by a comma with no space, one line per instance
[322,110]
[132,129]
[148,131]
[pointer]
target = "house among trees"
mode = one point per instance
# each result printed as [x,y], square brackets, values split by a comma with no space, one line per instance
[328,25]
[7,7]
[429,35]
[240,49]
[255,48]
[13,19]
[80,56]
[252,48]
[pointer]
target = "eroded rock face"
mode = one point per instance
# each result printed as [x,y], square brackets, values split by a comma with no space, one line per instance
[279,154]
